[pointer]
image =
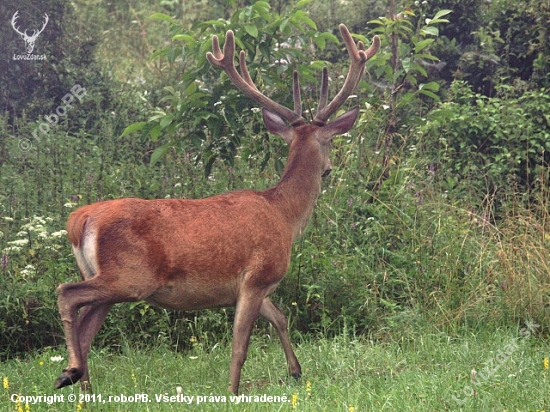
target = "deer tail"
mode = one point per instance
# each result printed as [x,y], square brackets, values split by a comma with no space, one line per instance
[76,225]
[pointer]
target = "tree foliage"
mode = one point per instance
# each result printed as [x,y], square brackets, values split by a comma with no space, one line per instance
[205,109]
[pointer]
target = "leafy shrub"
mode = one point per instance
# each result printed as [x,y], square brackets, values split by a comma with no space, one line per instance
[494,146]
[205,109]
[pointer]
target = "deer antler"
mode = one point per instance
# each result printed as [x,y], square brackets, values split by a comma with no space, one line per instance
[36,33]
[358,57]
[46,20]
[13,20]
[243,81]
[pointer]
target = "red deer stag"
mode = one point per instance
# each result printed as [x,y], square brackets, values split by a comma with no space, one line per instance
[228,250]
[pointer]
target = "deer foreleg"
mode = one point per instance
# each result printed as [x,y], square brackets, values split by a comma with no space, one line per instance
[246,313]
[273,314]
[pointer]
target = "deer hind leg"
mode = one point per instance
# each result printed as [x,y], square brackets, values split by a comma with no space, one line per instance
[79,332]
[273,314]
[247,310]
[89,322]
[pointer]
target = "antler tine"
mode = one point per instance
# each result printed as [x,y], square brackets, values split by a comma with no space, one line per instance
[296,94]
[243,81]
[244,70]
[358,57]
[323,98]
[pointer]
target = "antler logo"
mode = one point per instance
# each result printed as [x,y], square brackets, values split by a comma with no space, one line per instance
[29,40]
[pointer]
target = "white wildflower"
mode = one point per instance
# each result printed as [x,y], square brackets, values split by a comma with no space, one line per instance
[59,233]
[14,249]
[19,242]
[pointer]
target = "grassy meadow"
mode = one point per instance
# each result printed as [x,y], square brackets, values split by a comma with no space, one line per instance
[425,372]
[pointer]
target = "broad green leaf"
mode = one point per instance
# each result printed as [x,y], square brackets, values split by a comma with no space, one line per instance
[407,97]
[155,132]
[419,69]
[161,16]
[442,13]
[262,8]
[169,89]
[329,37]
[251,29]
[283,25]
[433,86]
[430,94]
[206,46]
[261,5]
[303,17]
[441,114]
[185,37]
[426,56]
[192,88]
[318,64]
[133,128]
[161,52]
[432,31]
[421,45]
[406,62]
[302,3]
[434,21]
[411,79]
[159,153]
[173,53]
[376,22]
[320,42]
[166,121]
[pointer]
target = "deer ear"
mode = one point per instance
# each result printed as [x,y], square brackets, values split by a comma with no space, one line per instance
[277,126]
[340,125]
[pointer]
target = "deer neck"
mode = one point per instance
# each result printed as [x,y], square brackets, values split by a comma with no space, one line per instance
[296,193]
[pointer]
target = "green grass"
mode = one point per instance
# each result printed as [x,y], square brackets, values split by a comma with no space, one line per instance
[420,373]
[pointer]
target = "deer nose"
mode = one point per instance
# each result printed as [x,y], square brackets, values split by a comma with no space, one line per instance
[326,172]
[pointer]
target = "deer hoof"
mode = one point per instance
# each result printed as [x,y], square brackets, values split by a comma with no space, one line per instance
[68,377]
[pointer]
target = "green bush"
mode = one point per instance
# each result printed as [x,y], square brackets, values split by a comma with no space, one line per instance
[495,146]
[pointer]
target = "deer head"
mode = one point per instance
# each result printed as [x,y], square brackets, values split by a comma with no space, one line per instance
[29,40]
[275,114]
